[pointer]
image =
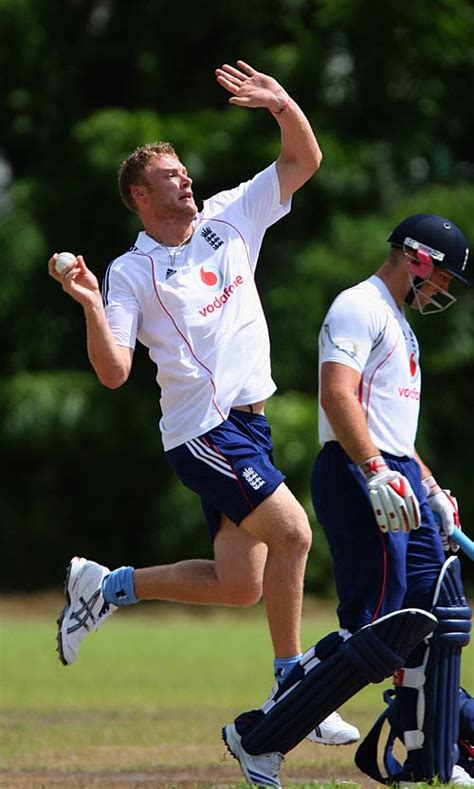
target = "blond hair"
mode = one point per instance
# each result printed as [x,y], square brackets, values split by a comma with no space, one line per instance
[132,170]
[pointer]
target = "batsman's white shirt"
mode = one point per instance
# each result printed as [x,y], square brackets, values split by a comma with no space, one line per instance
[364,329]
[200,314]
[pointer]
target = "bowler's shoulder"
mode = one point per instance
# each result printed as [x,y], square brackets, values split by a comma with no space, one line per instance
[127,269]
[224,201]
[234,198]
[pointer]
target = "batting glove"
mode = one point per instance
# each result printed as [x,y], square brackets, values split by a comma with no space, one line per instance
[391,495]
[445,509]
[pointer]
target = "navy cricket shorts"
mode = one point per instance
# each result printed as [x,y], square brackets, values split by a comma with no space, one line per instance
[230,467]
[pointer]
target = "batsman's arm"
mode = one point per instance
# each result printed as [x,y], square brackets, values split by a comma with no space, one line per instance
[393,501]
[338,387]
[112,363]
[425,470]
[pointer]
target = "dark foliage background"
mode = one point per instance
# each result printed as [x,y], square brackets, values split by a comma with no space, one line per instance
[388,88]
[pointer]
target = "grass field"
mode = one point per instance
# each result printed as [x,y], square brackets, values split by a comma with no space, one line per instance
[145,702]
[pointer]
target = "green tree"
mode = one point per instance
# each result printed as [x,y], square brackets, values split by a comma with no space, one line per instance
[388,88]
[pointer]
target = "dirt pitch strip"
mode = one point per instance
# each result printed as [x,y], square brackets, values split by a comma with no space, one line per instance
[222,776]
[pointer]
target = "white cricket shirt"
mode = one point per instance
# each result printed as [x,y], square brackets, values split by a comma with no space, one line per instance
[199,314]
[364,329]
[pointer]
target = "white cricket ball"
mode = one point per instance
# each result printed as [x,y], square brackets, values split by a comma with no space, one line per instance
[63,261]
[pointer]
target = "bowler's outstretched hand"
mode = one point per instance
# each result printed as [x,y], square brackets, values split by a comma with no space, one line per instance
[251,88]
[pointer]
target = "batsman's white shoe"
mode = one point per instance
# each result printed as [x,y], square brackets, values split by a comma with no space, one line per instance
[460,777]
[85,610]
[260,770]
[334,731]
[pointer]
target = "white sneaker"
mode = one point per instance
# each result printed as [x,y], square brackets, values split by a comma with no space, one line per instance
[260,770]
[86,609]
[460,777]
[334,731]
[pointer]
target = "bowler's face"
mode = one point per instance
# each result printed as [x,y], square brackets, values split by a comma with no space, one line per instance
[168,190]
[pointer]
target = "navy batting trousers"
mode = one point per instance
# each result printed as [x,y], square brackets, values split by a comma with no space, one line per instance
[375,573]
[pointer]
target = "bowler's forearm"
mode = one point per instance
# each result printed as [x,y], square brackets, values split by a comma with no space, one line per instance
[111,362]
[298,141]
[300,154]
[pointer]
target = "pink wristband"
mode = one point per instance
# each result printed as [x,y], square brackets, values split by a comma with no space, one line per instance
[283,108]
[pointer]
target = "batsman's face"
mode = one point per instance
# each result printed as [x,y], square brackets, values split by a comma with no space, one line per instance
[168,191]
[438,283]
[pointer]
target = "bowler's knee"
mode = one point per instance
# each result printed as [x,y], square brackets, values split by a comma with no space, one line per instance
[245,598]
[244,593]
[295,534]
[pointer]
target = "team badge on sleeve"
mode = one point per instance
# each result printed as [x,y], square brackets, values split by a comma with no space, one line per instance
[346,345]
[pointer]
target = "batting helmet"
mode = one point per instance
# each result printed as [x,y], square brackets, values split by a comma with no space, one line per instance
[436,237]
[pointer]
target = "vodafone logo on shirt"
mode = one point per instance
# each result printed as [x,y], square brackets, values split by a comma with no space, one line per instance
[410,392]
[407,393]
[210,277]
[223,297]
